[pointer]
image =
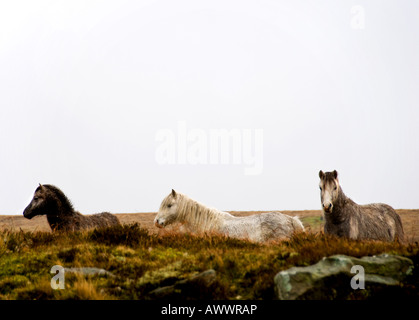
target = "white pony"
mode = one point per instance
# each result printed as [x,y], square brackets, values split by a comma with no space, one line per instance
[177,207]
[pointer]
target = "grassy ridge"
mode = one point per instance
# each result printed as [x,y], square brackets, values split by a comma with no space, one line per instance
[142,261]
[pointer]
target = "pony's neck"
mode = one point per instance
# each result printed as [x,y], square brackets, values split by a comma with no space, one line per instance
[199,216]
[339,205]
[61,209]
[59,213]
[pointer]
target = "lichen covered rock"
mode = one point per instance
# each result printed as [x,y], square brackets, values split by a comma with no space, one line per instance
[330,278]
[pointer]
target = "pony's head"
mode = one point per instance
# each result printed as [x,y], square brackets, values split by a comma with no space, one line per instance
[47,199]
[38,203]
[168,212]
[329,189]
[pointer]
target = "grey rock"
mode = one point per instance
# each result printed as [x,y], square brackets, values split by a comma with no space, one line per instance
[192,287]
[330,278]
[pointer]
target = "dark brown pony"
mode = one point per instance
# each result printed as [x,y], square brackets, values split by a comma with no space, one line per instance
[345,218]
[50,201]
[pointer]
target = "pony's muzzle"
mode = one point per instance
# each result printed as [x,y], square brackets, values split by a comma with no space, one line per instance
[327,207]
[27,215]
[158,223]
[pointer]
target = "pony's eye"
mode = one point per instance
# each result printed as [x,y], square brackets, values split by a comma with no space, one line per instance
[169,205]
[36,198]
[320,188]
[336,188]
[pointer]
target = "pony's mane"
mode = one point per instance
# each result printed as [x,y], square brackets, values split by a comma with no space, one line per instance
[65,202]
[196,213]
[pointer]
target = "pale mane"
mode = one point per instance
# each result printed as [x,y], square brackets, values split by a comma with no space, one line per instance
[198,215]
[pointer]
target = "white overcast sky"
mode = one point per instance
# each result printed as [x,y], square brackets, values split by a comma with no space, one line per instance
[85,86]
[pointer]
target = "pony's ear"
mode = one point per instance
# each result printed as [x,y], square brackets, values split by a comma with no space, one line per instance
[173,193]
[335,174]
[41,186]
[321,174]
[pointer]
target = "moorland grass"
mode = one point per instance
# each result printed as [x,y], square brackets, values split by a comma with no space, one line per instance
[141,262]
